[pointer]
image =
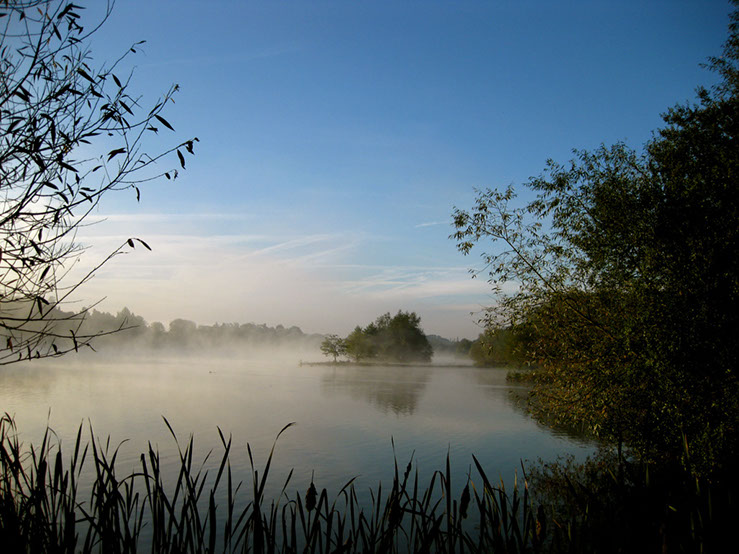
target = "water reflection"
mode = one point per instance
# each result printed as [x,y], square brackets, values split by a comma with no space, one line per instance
[516,395]
[389,389]
[493,382]
[347,415]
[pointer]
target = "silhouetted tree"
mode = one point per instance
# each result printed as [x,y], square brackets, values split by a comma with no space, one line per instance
[70,132]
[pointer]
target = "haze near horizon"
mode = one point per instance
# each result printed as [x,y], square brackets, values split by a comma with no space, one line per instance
[337,137]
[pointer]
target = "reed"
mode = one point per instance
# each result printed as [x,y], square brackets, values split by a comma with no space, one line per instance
[204,509]
[201,507]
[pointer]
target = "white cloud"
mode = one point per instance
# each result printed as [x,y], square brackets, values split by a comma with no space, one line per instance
[298,243]
[307,281]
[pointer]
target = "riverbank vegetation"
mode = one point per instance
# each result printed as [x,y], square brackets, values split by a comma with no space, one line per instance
[205,508]
[619,280]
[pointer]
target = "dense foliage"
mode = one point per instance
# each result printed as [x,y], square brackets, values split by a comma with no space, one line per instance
[497,347]
[396,338]
[625,269]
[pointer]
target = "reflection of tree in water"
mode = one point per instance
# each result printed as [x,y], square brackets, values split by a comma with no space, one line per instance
[516,395]
[391,389]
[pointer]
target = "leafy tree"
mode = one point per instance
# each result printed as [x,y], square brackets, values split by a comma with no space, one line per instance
[401,338]
[333,345]
[625,269]
[70,133]
[359,345]
[182,329]
[463,347]
[496,347]
[396,338]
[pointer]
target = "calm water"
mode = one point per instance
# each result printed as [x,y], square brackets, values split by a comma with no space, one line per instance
[346,416]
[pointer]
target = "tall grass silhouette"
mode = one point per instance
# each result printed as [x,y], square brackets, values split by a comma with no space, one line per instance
[80,503]
[202,508]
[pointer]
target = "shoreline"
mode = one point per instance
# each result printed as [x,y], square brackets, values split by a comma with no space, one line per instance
[348,363]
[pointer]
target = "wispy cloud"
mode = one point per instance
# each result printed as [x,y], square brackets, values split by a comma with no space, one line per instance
[310,280]
[396,282]
[294,244]
[162,217]
[431,224]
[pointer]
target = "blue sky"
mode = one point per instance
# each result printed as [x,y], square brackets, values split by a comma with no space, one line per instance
[337,136]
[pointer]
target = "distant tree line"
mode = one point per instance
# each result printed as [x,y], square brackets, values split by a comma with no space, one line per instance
[397,338]
[128,331]
[456,348]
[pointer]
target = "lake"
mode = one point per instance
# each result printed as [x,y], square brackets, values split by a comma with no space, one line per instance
[347,417]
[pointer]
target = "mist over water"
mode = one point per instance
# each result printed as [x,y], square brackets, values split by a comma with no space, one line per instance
[346,416]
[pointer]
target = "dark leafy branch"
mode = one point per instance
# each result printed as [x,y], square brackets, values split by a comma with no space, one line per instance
[70,132]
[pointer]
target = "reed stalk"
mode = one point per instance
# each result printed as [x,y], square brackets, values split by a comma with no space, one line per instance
[201,507]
